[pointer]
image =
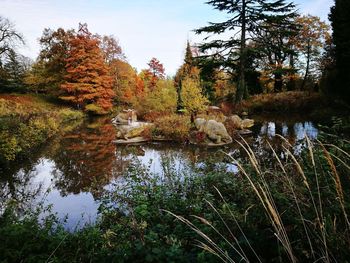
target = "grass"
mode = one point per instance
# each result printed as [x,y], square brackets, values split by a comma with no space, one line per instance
[313,193]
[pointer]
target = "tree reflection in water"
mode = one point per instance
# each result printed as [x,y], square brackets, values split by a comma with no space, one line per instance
[19,188]
[86,159]
[76,168]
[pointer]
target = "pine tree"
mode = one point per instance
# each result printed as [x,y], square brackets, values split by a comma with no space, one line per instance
[245,15]
[87,84]
[340,18]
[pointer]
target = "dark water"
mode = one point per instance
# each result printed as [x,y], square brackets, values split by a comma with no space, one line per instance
[72,171]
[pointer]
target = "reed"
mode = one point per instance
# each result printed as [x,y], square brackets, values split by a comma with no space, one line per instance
[303,179]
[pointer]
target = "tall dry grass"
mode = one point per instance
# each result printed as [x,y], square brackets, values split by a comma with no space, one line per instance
[313,185]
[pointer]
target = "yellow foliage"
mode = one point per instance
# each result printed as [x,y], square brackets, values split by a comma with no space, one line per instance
[163,98]
[192,98]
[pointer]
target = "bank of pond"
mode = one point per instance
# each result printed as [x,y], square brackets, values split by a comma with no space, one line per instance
[275,195]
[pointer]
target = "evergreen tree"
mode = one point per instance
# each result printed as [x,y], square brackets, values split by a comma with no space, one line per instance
[14,71]
[87,84]
[187,70]
[245,15]
[340,18]
[274,44]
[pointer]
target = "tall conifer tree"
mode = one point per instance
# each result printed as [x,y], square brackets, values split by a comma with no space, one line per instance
[245,16]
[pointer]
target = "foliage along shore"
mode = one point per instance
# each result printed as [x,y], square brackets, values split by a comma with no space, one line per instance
[28,121]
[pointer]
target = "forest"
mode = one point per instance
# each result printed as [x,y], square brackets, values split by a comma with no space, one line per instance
[243,155]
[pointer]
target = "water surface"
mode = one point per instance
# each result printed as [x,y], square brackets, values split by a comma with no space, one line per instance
[72,171]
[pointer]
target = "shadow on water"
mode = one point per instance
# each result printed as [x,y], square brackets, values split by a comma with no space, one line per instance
[72,171]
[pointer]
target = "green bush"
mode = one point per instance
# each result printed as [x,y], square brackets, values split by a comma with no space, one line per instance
[9,147]
[27,122]
[68,115]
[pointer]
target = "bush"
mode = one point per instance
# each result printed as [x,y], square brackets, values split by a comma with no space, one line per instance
[67,115]
[291,101]
[27,122]
[174,127]
[95,109]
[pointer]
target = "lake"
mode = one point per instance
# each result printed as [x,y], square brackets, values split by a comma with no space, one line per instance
[72,171]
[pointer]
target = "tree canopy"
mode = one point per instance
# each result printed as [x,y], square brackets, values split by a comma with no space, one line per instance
[245,17]
[87,84]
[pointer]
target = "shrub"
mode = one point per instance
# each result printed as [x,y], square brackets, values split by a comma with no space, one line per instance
[95,109]
[175,127]
[67,115]
[8,146]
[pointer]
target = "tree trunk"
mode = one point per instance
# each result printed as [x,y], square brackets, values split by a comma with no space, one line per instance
[278,82]
[241,88]
[179,99]
[307,65]
[291,84]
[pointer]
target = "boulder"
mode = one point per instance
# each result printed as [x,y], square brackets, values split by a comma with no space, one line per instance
[237,123]
[126,117]
[214,130]
[247,123]
[131,131]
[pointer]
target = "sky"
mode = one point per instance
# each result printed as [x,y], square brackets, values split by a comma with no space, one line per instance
[144,28]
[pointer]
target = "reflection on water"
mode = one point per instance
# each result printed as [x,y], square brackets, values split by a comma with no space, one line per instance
[72,171]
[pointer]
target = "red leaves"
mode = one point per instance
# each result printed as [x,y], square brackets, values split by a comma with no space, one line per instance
[87,80]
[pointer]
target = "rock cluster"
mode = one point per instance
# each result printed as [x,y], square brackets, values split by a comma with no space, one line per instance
[236,122]
[214,130]
[126,117]
[208,132]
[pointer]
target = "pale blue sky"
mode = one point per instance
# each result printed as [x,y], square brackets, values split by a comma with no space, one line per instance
[145,28]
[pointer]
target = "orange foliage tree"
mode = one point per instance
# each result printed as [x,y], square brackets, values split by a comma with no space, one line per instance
[88,83]
[155,72]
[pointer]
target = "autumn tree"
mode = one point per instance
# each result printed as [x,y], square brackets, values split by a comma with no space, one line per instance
[160,99]
[192,98]
[340,21]
[48,71]
[125,81]
[187,70]
[245,16]
[111,49]
[154,72]
[88,84]
[310,42]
